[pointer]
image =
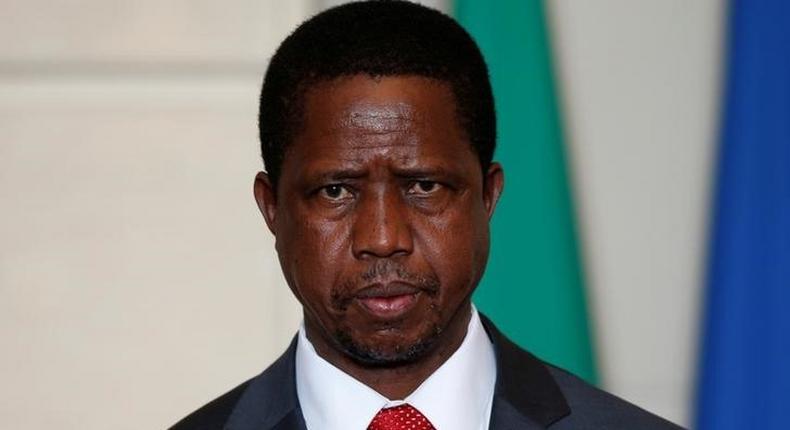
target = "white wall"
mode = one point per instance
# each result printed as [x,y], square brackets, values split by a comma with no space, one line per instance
[137,280]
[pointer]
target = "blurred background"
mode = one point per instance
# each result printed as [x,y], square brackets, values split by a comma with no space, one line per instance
[138,281]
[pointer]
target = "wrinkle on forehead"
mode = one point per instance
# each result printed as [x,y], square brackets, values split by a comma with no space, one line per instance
[377,118]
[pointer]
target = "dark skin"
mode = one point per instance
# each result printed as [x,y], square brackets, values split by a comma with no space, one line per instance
[381,223]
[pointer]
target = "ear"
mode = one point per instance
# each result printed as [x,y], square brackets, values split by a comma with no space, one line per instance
[492,187]
[266,197]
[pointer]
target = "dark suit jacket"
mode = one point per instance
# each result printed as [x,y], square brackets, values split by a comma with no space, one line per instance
[529,394]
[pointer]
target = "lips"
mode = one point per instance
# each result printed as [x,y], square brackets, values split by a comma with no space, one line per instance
[388,300]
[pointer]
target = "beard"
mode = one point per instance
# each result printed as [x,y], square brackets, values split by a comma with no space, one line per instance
[372,356]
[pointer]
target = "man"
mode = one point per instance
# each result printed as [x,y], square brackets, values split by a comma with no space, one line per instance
[377,130]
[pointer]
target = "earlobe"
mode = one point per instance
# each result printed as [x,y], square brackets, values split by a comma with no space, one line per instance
[266,197]
[492,187]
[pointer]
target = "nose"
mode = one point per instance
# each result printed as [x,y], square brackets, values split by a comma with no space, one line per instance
[381,226]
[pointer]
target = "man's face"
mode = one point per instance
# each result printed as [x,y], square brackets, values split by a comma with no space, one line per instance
[381,216]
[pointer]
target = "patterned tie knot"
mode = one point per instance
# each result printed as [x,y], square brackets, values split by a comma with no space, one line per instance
[403,417]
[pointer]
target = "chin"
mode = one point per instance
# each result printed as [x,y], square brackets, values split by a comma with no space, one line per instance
[386,351]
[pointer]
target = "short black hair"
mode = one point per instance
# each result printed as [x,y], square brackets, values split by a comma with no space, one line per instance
[376,38]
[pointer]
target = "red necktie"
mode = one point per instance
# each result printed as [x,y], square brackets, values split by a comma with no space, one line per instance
[403,417]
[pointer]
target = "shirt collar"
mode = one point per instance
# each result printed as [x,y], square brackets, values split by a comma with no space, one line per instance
[331,399]
[457,395]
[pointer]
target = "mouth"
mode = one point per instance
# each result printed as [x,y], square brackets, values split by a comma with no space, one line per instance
[389,300]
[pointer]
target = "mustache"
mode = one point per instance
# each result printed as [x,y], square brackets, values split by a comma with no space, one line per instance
[380,273]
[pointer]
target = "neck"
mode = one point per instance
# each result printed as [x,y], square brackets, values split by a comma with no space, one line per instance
[398,381]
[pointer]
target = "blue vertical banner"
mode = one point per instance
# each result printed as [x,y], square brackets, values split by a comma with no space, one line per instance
[744,380]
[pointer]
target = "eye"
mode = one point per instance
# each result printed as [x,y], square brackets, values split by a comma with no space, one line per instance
[424,187]
[335,192]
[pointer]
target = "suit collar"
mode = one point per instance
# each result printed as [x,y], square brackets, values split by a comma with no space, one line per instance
[270,402]
[525,395]
[524,385]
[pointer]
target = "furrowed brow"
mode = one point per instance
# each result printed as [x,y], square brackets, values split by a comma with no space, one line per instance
[337,174]
[419,172]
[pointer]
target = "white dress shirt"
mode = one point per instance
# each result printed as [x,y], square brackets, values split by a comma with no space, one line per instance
[457,396]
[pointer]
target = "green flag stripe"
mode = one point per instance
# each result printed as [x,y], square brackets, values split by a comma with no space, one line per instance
[533,286]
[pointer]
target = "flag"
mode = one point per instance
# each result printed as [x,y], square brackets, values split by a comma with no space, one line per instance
[533,286]
[745,367]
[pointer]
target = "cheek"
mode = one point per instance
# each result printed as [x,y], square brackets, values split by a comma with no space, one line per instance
[311,255]
[456,246]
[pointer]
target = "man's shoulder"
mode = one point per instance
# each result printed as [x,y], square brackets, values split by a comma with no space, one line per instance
[269,396]
[555,398]
[213,415]
[592,407]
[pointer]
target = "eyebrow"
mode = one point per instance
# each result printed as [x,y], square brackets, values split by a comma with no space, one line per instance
[334,175]
[419,172]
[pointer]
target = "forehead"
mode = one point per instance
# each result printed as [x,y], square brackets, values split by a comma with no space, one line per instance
[347,90]
[352,116]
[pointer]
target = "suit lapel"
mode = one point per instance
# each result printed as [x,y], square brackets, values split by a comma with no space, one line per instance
[291,421]
[270,401]
[505,416]
[526,395]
